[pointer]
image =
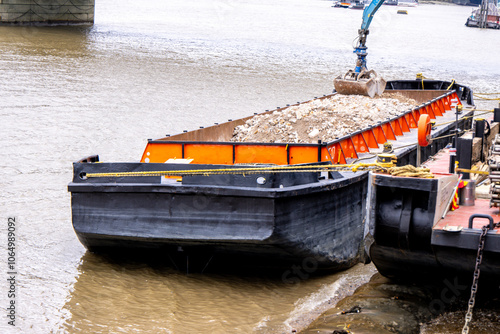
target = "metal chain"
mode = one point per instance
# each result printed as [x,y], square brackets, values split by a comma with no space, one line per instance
[479,259]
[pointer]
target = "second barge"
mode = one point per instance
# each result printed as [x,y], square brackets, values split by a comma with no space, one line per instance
[422,231]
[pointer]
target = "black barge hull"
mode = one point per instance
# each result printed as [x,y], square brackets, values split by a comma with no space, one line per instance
[409,241]
[294,217]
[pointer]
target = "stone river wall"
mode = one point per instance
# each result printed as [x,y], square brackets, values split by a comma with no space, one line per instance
[47,12]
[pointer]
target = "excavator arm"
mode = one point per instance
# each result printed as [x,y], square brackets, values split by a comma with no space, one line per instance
[368,13]
[360,80]
[360,49]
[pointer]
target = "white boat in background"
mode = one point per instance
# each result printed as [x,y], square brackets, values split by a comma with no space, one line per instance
[357,4]
[407,3]
[487,16]
[342,4]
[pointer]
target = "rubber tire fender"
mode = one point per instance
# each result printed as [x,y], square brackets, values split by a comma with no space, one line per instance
[424,130]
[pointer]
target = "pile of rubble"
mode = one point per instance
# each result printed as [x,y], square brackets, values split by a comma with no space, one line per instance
[321,119]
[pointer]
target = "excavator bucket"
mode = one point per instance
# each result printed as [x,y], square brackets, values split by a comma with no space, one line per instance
[364,83]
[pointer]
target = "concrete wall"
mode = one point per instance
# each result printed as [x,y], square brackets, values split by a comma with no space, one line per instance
[46,12]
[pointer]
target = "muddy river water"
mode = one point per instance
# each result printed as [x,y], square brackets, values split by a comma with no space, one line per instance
[149,68]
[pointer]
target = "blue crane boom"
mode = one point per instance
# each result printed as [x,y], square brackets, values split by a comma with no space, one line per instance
[369,11]
[362,81]
[360,49]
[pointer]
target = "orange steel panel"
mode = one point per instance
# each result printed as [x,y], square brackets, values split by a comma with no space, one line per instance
[388,131]
[379,134]
[410,119]
[416,115]
[454,99]
[325,155]
[370,138]
[360,143]
[337,153]
[442,107]
[429,111]
[162,152]
[303,154]
[405,127]
[435,108]
[396,126]
[348,148]
[261,154]
[446,101]
[419,116]
[209,153]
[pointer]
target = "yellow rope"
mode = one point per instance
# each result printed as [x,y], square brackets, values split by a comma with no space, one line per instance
[487,99]
[411,171]
[451,85]
[480,96]
[467,117]
[421,77]
[472,171]
[274,169]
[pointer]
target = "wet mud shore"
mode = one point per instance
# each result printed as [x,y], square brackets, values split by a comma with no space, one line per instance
[386,306]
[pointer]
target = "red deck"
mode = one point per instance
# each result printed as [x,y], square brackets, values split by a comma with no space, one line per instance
[460,217]
[440,162]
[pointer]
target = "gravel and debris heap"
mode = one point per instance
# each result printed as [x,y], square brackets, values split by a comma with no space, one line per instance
[324,119]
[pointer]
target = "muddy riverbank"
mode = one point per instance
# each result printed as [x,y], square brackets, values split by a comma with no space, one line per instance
[384,306]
